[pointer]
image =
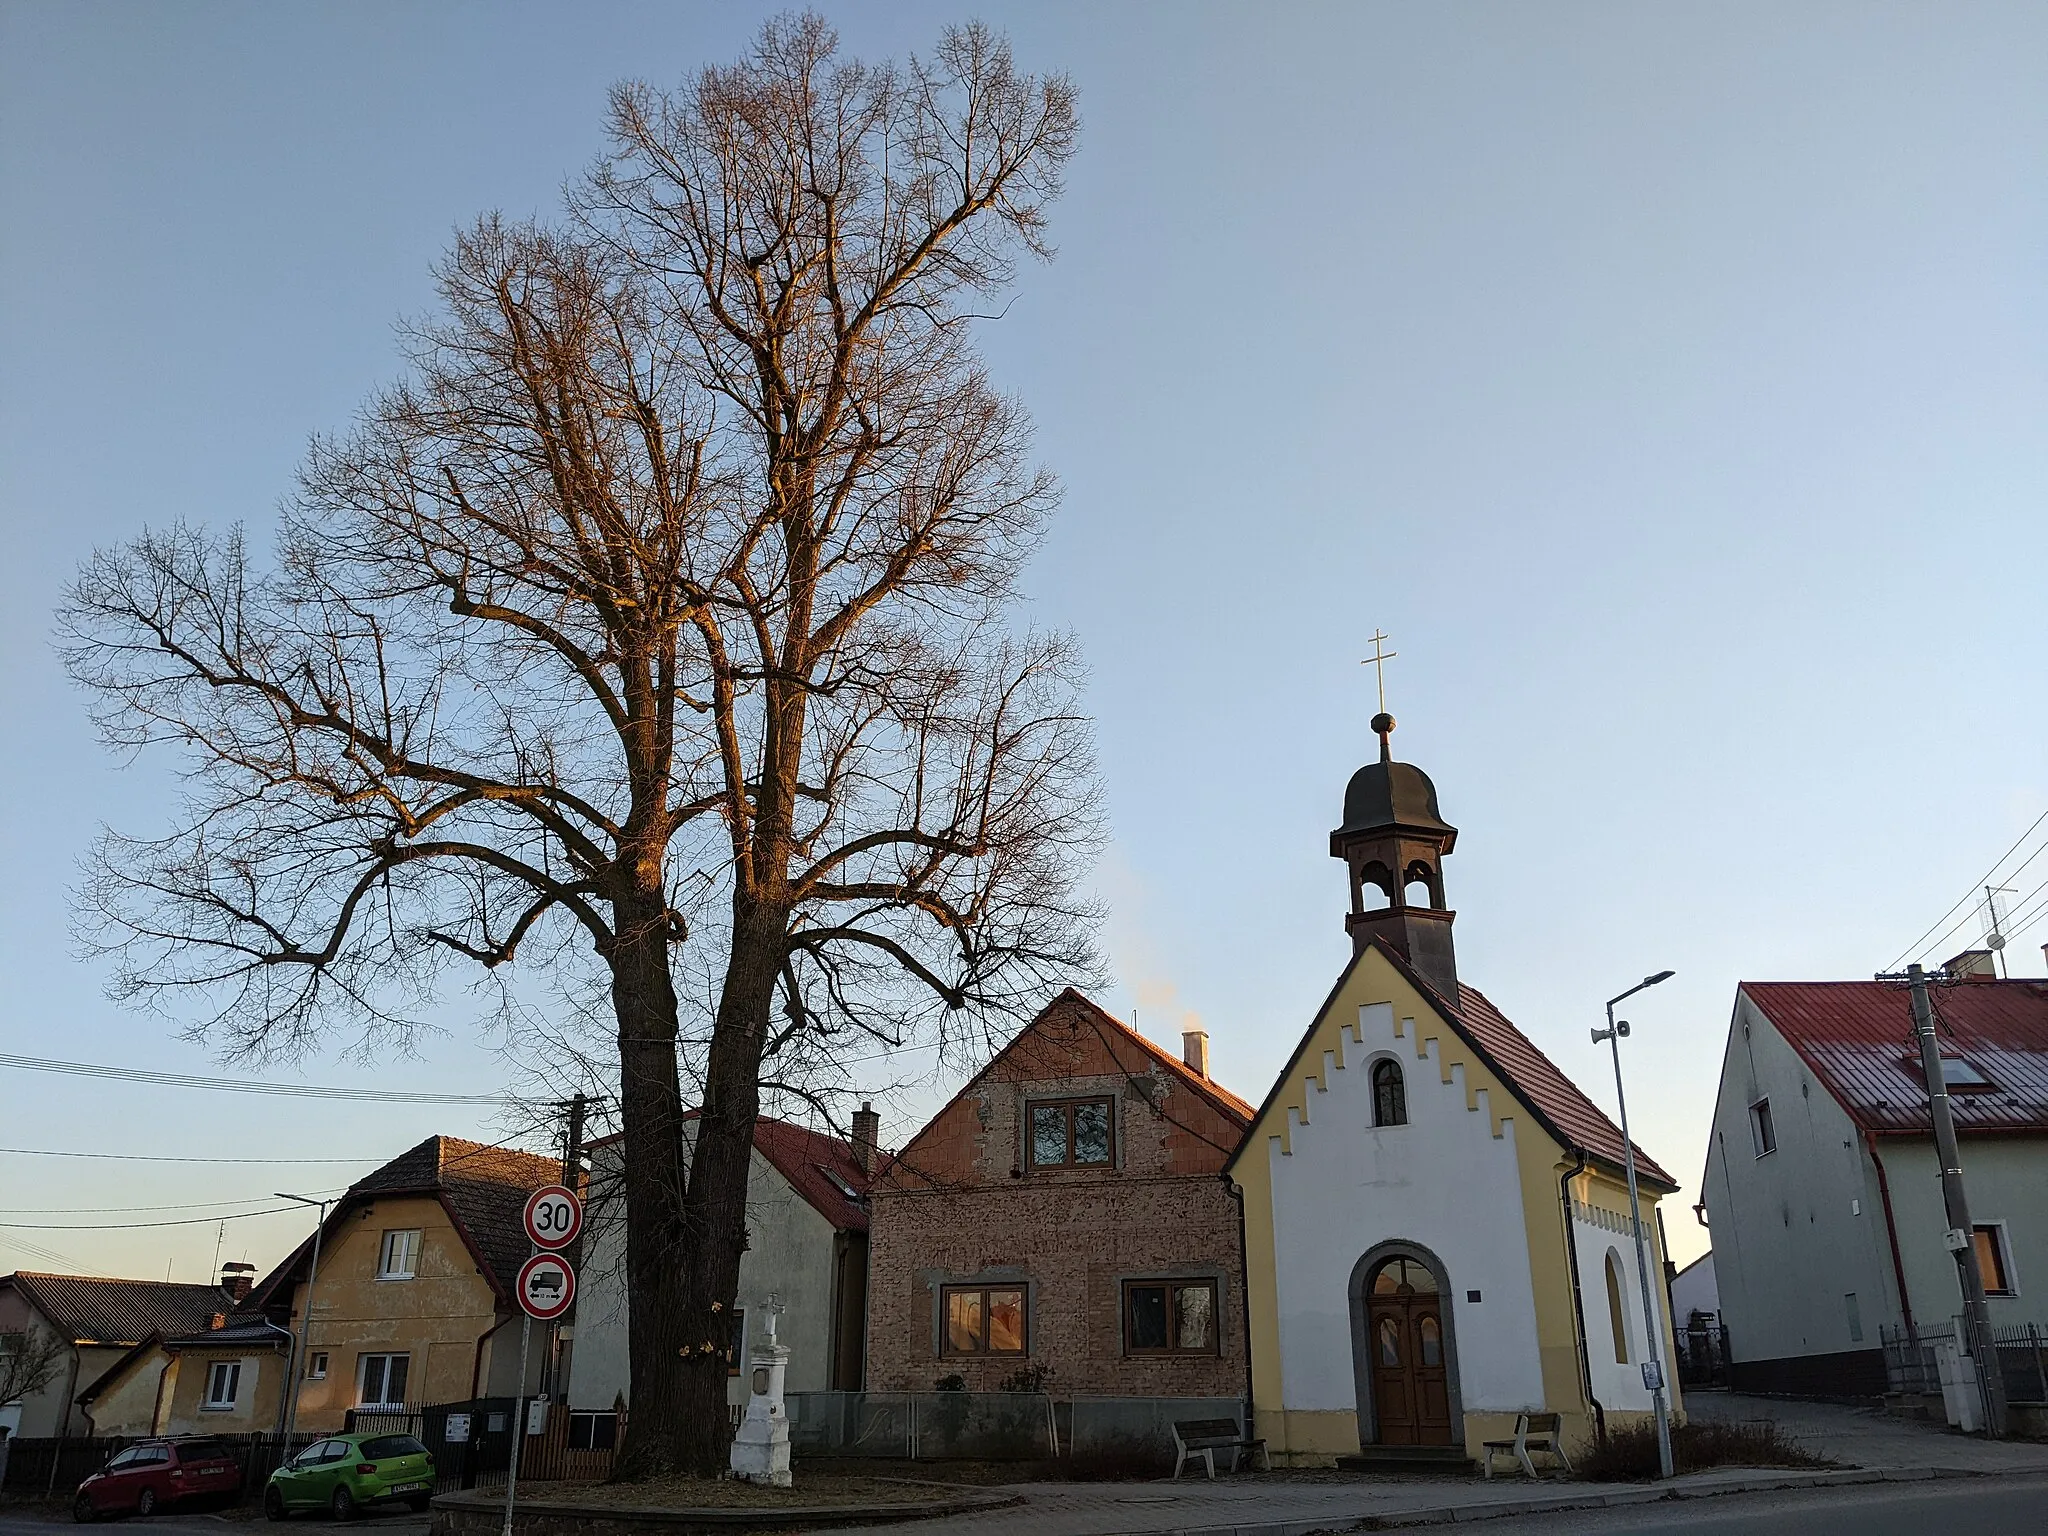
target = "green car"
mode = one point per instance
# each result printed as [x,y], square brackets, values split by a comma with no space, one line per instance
[349,1473]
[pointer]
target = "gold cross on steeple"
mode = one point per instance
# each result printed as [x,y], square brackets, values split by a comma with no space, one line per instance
[1378,662]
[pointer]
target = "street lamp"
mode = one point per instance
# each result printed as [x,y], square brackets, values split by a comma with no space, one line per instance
[1653,1368]
[298,1355]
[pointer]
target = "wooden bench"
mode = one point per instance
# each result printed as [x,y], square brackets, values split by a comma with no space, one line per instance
[1205,1437]
[1533,1432]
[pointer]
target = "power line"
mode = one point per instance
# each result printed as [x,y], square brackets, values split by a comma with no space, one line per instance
[1917,946]
[129,1226]
[124,1210]
[149,1157]
[248,1085]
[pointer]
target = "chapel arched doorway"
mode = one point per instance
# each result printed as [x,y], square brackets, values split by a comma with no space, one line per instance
[1407,1354]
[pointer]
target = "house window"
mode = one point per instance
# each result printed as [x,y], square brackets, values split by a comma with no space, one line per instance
[593,1431]
[1073,1133]
[1761,1130]
[1992,1259]
[401,1255]
[1616,1318]
[1169,1317]
[223,1383]
[316,1365]
[1389,1094]
[983,1320]
[382,1381]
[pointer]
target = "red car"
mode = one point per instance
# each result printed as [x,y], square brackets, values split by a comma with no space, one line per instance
[157,1474]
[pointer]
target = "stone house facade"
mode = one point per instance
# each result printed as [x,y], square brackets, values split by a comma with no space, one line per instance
[1063,1223]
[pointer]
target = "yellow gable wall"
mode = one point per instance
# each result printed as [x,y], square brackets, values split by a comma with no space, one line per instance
[1541,1161]
[129,1405]
[436,1318]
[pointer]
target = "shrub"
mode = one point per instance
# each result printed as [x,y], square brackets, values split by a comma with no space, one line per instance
[1630,1454]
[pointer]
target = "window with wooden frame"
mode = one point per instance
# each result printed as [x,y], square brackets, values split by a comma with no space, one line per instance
[1072,1133]
[1989,1241]
[982,1320]
[1170,1317]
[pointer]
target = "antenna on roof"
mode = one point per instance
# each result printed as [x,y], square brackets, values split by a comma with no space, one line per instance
[1995,939]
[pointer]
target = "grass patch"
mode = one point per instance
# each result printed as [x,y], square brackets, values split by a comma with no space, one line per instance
[1630,1454]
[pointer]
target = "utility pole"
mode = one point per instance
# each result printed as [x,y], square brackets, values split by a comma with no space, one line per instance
[572,1179]
[1961,1241]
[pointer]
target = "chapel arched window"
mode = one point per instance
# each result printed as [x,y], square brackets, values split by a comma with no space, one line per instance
[1389,1094]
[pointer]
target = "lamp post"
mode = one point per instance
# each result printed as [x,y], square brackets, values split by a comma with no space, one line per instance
[1653,1367]
[297,1356]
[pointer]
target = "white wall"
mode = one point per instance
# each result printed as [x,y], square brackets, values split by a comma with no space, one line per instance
[1443,1181]
[1693,1289]
[1596,1233]
[1798,1230]
[789,1252]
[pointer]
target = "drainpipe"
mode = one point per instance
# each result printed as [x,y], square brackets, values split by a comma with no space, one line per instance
[476,1368]
[1244,1302]
[1891,1231]
[1571,1247]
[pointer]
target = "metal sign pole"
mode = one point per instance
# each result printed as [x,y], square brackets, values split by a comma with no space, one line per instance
[518,1420]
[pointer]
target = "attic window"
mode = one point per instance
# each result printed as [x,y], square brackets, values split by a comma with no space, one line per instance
[1957,1075]
[840,1184]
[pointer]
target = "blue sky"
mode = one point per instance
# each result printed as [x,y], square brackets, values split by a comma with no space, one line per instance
[1667,382]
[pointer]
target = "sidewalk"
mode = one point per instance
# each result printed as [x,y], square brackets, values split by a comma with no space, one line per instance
[1872,1447]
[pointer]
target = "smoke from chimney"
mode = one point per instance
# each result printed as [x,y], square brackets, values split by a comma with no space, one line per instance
[867,1130]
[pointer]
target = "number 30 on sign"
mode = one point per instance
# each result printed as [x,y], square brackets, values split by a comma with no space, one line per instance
[553,1217]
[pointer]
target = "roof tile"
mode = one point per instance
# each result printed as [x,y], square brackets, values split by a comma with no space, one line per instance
[120,1311]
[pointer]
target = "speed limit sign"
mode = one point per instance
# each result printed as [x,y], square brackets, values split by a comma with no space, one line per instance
[553,1217]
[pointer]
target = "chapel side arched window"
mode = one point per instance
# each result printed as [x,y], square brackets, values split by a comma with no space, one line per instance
[1389,1094]
[1616,1318]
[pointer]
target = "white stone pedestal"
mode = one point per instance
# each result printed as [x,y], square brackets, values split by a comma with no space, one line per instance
[760,1450]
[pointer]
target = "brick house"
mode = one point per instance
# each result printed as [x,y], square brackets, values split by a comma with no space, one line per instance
[1065,1213]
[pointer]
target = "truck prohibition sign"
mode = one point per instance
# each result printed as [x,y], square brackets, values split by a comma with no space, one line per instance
[546,1286]
[553,1217]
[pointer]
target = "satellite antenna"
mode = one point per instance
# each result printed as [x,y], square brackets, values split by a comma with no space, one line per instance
[1994,940]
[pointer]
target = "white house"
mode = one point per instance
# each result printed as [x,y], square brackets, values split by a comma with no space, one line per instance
[807,1246]
[1822,1187]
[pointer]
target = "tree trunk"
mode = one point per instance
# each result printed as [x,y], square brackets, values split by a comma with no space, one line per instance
[643,997]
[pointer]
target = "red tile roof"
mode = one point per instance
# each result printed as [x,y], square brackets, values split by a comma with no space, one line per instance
[815,1164]
[89,1310]
[1857,1038]
[1208,1087]
[1553,1095]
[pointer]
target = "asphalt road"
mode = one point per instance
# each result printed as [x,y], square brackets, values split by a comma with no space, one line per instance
[19,1522]
[1950,1507]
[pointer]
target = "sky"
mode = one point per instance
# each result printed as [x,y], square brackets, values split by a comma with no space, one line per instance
[1667,382]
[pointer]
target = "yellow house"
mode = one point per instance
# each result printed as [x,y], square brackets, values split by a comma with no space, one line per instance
[227,1380]
[413,1296]
[1436,1219]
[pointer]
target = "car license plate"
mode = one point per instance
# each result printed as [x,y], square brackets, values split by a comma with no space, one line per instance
[410,1488]
[211,1471]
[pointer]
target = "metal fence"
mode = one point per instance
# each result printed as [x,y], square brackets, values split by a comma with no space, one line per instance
[1703,1352]
[1911,1364]
[990,1426]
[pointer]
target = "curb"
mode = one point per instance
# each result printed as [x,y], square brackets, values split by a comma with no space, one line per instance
[1616,1498]
[735,1517]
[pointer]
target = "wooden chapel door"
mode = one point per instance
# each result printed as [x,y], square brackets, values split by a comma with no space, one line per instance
[1405,1333]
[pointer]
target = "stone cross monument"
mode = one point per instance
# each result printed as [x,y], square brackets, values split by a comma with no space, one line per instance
[760,1450]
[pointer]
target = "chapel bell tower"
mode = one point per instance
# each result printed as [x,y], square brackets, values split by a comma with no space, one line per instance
[1393,843]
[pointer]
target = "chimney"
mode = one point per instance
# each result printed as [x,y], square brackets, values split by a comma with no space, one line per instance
[867,1130]
[1971,965]
[1194,1050]
[238,1280]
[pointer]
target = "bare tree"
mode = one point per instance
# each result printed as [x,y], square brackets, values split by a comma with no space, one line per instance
[663,611]
[29,1362]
